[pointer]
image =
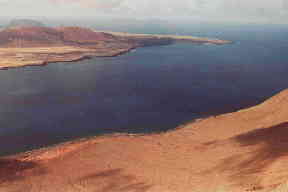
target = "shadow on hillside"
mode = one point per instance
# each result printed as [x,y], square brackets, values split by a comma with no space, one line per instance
[113,180]
[261,148]
[12,169]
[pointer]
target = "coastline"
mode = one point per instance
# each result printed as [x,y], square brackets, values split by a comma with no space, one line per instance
[176,38]
[115,162]
[192,157]
[12,57]
[78,54]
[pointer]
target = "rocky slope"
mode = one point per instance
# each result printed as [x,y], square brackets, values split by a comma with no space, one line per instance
[23,37]
[241,151]
[22,46]
[27,37]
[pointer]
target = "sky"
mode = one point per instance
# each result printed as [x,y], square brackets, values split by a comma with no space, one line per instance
[210,10]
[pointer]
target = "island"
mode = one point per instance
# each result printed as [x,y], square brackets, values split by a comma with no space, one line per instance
[27,43]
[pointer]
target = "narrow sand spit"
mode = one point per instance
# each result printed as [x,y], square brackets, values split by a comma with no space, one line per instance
[241,151]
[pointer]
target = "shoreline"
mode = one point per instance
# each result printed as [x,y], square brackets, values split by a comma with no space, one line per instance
[176,38]
[187,158]
[74,58]
[12,57]
[80,58]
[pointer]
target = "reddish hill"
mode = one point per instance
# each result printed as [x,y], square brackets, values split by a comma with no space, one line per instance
[45,36]
[30,37]
[84,35]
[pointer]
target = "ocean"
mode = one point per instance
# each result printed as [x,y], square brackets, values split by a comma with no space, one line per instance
[151,89]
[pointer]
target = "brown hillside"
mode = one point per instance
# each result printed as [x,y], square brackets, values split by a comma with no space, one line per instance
[241,151]
[83,35]
[44,37]
[27,46]
[30,37]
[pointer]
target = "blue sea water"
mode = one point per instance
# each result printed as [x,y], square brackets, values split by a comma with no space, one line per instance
[148,90]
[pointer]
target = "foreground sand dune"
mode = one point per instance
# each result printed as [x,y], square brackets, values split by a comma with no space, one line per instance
[241,151]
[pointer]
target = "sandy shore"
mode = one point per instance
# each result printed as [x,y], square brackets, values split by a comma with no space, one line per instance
[176,38]
[241,151]
[20,57]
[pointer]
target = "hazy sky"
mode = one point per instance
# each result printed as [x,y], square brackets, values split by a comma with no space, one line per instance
[226,10]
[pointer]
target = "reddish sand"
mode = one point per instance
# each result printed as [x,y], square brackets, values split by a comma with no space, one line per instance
[241,151]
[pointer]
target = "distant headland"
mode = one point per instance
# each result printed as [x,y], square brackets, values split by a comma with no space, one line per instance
[28,42]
